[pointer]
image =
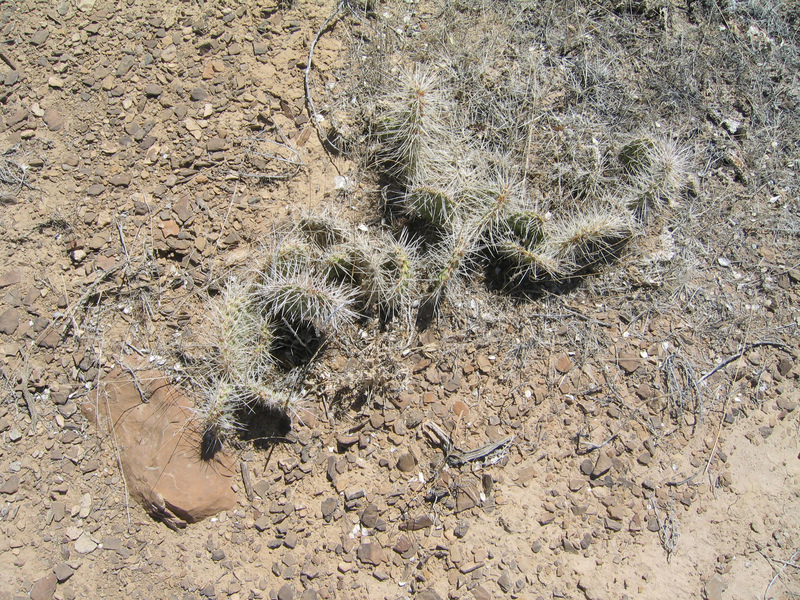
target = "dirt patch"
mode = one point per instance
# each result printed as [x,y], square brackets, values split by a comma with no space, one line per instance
[644,417]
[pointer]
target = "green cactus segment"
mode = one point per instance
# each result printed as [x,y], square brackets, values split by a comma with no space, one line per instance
[491,206]
[413,129]
[323,231]
[399,276]
[268,396]
[263,342]
[406,132]
[302,297]
[525,226]
[657,172]
[641,202]
[452,258]
[344,265]
[354,267]
[592,237]
[291,256]
[636,156]
[433,205]
[529,263]
[237,338]
[217,415]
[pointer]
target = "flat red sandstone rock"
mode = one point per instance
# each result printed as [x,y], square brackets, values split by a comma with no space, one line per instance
[159,447]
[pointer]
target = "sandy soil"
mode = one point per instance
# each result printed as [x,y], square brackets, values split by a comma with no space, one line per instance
[135,122]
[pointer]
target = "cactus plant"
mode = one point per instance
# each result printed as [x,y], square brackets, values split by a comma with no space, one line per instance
[398,275]
[216,415]
[304,296]
[413,127]
[468,203]
[237,337]
[323,230]
[591,236]
[656,169]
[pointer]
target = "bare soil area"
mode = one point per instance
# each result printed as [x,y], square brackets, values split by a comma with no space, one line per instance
[645,420]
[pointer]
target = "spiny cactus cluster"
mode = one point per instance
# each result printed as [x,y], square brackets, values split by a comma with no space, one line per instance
[477,204]
[465,209]
[655,169]
[237,343]
[312,282]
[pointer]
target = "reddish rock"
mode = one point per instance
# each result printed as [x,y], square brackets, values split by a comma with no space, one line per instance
[44,588]
[183,209]
[49,339]
[63,571]
[602,465]
[16,117]
[9,321]
[106,263]
[371,553]
[563,364]
[635,524]
[53,119]
[460,409]
[216,144]
[170,228]
[97,241]
[616,512]
[403,545]
[628,362]
[480,593]
[715,587]
[784,366]
[95,189]
[402,400]
[369,518]
[10,278]
[453,385]
[11,485]
[464,502]
[416,523]
[429,594]
[120,180]
[286,592]
[483,363]
[406,463]
[160,449]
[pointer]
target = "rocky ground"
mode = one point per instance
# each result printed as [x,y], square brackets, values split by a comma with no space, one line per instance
[650,436]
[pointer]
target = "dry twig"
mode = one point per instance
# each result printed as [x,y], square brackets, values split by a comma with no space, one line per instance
[668,529]
[780,571]
[312,110]
[29,401]
[741,353]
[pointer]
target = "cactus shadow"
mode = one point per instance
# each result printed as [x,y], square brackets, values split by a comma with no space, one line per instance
[264,427]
